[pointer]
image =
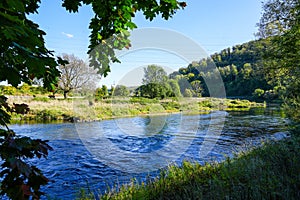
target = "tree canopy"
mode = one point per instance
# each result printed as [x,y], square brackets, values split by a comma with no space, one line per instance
[154,74]
[280,24]
[239,66]
[120,90]
[24,55]
[155,83]
[22,47]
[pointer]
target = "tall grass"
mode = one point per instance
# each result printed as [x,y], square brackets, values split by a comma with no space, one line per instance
[43,108]
[271,171]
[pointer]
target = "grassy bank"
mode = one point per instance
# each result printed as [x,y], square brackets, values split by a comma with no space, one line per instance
[268,172]
[43,108]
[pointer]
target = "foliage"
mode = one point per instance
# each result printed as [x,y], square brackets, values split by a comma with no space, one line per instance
[197,88]
[8,90]
[111,22]
[292,106]
[258,93]
[112,89]
[278,17]
[121,90]
[184,84]
[102,92]
[24,89]
[154,90]
[171,105]
[23,53]
[206,103]
[240,68]
[238,104]
[154,74]
[174,86]
[20,180]
[188,93]
[280,24]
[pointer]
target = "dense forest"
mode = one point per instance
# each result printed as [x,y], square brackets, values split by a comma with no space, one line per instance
[240,68]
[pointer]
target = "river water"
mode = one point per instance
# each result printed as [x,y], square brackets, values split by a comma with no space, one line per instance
[98,155]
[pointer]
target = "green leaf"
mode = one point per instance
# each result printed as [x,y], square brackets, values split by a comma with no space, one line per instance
[131,25]
[16,5]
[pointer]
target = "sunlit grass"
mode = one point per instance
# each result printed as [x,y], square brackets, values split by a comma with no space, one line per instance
[271,171]
[44,108]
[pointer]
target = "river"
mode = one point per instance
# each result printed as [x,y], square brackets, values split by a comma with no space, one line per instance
[98,155]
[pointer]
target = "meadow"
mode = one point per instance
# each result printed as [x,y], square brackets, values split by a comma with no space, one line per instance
[43,108]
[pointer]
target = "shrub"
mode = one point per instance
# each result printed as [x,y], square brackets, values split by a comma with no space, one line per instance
[171,105]
[258,93]
[188,93]
[9,90]
[205,104]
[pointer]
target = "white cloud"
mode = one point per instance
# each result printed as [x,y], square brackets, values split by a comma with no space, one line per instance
[67,34]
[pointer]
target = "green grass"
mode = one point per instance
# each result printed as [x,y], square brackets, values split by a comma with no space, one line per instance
[43,108]
[143,101]
[271,171]
[41,98]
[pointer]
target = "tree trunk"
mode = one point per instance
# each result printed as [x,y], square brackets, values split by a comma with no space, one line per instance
[65,94]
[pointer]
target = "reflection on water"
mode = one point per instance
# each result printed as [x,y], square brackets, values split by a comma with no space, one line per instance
[146,142]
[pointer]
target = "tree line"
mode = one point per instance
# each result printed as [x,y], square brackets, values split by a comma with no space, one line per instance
[240,67]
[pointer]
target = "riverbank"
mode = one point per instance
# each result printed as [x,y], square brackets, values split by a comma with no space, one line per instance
[268,172]
[83,109]
[271,171]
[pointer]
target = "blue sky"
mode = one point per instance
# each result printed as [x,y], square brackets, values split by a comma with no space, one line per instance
[213,24]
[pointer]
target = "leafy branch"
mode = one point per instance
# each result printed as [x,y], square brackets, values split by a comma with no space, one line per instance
[20,180]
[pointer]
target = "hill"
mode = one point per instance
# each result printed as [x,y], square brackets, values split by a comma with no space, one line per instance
[240,68]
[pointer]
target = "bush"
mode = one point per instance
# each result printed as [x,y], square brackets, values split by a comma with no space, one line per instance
[258,93]
[154,90]
[121,90]
[9,90]
[188,93]
[171,105]
[238,104]
[205,104]
[291,107]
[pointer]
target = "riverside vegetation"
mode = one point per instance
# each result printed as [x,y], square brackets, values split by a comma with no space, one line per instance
[43,108]
[268,172]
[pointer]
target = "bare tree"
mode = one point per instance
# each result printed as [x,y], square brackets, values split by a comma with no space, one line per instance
[76,75]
